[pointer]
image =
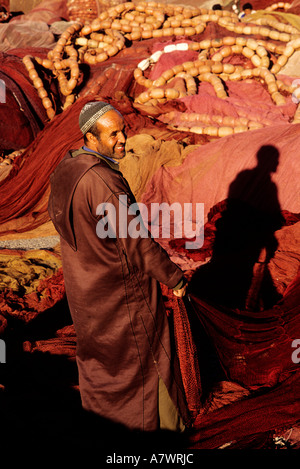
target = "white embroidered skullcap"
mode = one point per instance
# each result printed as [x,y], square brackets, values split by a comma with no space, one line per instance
[91,112]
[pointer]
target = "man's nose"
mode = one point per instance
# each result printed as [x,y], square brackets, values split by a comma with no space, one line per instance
[122,137]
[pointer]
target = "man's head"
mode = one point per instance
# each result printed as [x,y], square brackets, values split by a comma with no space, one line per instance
[3,13]
[268,159]
[247,8]
[103,129]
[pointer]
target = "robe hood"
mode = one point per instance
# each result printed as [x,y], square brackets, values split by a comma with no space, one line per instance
[63,182]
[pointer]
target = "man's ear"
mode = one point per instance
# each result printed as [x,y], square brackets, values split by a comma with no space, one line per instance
[90,137]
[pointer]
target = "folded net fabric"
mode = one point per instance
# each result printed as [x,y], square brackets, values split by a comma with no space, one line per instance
[20,103]
[21,107]
[30,283]
[252,345]
[46,11]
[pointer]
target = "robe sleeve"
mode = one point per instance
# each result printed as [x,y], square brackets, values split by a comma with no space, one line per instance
[140,249]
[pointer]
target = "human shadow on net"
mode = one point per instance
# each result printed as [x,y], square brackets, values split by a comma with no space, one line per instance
[237,275]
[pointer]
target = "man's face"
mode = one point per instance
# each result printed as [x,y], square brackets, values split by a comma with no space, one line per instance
[111,140]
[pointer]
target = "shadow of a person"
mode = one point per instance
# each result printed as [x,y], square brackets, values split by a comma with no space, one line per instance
[237,275]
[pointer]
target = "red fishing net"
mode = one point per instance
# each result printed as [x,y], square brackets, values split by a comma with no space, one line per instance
[253,348]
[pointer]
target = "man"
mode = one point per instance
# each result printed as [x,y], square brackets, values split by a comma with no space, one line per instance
[128,371]
[216,7]
[247,10]
[4,15]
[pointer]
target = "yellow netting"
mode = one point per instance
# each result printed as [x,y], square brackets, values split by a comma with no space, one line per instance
[24,271]
[290,18]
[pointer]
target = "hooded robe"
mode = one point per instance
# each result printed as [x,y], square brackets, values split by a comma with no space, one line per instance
[124,345]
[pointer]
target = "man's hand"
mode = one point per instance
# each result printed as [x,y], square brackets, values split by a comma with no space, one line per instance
[180,293]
